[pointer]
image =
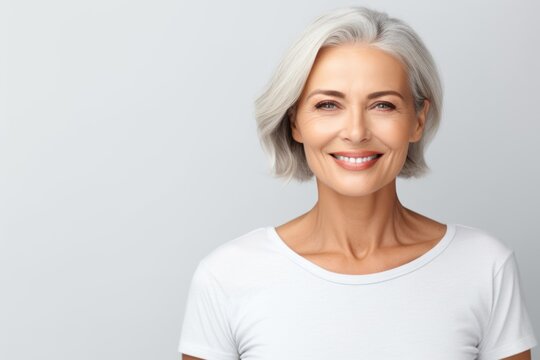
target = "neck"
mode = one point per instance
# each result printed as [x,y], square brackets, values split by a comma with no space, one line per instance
[357,226]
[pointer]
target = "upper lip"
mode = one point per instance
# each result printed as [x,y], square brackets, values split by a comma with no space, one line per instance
[356,153]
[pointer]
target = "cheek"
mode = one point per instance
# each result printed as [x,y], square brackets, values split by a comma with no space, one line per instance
[318,133]
[317,136]
[394,134]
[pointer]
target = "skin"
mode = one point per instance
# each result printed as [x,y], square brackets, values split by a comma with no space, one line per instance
[358,225]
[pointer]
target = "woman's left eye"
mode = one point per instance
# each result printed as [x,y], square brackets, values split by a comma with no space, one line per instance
[387,105]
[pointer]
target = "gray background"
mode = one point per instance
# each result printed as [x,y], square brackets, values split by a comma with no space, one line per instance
[128,151]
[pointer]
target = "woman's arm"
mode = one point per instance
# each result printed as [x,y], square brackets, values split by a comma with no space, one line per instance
[526,355]
[189,357]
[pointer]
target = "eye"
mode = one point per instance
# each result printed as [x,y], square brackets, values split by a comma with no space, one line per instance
[327,105]
[388,106]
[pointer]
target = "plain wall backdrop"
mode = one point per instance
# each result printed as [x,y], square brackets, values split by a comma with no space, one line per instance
[128,151]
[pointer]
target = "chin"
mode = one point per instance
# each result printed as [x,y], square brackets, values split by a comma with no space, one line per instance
[356,186]
[349,188]
[358,190]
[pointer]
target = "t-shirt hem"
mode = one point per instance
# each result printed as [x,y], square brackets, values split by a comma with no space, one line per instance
[509,349]
[204,352]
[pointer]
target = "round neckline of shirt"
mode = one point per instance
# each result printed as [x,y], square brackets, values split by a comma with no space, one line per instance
[323,273]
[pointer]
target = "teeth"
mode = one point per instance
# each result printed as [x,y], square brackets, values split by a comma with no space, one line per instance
[356,160]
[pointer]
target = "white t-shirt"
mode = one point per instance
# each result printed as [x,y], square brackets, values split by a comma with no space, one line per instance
[253,297]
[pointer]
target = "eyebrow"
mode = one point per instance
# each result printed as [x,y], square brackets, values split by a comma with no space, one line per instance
[342,95]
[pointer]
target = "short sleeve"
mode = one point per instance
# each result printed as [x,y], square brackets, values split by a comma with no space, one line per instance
[206,331]
[509,330]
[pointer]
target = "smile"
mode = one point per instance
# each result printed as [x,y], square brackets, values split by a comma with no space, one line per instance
[357,159]
[356,164]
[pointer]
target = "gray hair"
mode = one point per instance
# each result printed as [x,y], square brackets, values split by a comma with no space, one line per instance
[275,107]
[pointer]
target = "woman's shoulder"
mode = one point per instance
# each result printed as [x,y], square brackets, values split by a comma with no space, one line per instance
[486,239]
[481,245]
[238,247]
[238,256]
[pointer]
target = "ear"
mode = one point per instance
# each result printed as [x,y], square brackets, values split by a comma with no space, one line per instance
[296,133]
[421,121]
[297,136]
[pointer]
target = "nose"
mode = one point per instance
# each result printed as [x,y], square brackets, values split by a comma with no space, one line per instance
[356,128]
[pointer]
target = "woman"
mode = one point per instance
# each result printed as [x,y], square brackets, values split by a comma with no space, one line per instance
[359,276]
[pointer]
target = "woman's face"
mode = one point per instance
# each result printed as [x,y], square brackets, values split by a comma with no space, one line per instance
[356,119]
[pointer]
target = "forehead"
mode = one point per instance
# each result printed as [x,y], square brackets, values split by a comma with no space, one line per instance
[357,67]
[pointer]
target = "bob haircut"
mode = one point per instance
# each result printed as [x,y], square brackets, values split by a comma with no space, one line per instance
[275,107]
